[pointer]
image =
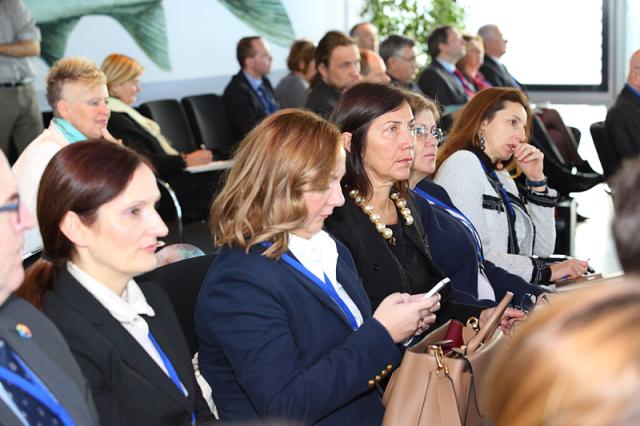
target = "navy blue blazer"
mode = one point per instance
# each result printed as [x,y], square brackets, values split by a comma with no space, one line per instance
[273,345]
[453,249]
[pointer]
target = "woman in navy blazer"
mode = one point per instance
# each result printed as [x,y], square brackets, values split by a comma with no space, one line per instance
[284,326]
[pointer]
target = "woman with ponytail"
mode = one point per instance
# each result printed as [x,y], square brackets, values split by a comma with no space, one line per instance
[97,217]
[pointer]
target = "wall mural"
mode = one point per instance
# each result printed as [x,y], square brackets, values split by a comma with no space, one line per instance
[145,21]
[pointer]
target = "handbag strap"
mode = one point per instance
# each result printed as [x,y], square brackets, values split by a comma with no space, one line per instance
[490,326]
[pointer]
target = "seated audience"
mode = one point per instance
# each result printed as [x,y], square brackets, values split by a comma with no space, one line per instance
[456,246]
[372,67]
[625,225]
[29,340]
[573,363]
[399,56]
[622,122]
[441,80]
[99,231]
[249,97]
[379,222]
[365,35]
[495,47]
[297,341]
[338,65]
[516,224]
[292,90]
[144,135]
[469,65]
[77,93]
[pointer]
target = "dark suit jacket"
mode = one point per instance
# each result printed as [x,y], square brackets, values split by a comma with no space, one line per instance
[243,105]
[322,98]
[49,357]
[623,124]
[378,270]
[441,86]
[454,250]
[273,345]
[134,136]
[498,75]
[128,387]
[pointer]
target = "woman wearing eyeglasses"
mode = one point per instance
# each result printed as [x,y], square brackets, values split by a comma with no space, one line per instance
[379,221]
[455,244]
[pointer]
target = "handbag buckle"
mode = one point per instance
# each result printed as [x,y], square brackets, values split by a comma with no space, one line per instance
[474,323]
[438,353]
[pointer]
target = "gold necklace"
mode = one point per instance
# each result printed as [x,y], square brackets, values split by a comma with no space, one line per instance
[400,203]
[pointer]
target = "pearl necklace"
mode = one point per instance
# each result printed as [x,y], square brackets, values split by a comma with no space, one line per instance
[386,233]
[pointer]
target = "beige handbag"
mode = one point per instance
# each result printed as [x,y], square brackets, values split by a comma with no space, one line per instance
[434,388]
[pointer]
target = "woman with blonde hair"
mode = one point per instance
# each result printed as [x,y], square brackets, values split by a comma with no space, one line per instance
[573,363]
[144,136]
[284,326]
[487,147]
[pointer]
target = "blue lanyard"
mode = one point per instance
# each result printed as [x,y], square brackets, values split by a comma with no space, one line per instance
[503,192]
[36,389]
[173,374]
[459,216]
[70,133]
[326,286]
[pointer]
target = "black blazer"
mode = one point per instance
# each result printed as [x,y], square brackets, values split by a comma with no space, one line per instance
[128,387]
[622,124]
[441,86]
[497,74]
[134,136]
[322,98]
[243,105]
[378,269]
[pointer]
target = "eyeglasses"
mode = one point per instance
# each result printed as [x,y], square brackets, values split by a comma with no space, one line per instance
[436,132]
[412,59]
[12,207]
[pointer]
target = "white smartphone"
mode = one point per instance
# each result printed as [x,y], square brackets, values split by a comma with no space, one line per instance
[436,288]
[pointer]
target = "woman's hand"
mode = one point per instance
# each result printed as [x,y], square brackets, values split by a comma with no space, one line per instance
[404,316]
[530,160]
[568,269]
[509,318]
[198,158]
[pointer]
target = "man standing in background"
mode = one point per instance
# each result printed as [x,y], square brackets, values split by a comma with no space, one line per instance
[20,118]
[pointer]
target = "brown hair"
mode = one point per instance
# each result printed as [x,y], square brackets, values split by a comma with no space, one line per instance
[301,51]
[355,111]
[419,103]
[330,41]
[120,69]
[575,362]
[483,106]
[245,49]
[83,176]
[625,225]
[438,36]
[70,70]
[468,38]
[288,153]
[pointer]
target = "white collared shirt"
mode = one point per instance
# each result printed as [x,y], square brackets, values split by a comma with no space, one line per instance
[319,255]
[126,309]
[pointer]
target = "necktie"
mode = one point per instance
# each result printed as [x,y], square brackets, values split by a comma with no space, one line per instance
[33,409]
[468,89]
[266,100]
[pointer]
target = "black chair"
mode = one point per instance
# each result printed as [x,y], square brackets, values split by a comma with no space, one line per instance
[609,157]
[208,119]
[182,281]
[169,114]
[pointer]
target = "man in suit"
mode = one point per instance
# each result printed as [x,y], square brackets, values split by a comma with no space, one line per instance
[441,81]
[623,118]
[25,335]
[249,96]
[495,46]
[399,55]
[338,65]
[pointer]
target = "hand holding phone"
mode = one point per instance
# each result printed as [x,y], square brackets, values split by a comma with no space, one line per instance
[436,288]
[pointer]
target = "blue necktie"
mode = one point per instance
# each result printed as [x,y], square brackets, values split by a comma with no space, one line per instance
[33,410]
[268,103]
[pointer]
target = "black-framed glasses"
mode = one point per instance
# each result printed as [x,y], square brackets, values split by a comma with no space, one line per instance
[12,207]
[436,132]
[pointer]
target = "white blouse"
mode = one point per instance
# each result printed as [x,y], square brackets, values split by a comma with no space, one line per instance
[319,255]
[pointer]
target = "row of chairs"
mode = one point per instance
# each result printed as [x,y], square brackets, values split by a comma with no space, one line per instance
[609,157]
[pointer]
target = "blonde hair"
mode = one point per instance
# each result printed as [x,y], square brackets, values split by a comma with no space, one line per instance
[575,362]
[71,70]
[119,69]
[418,103]
[288,153]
